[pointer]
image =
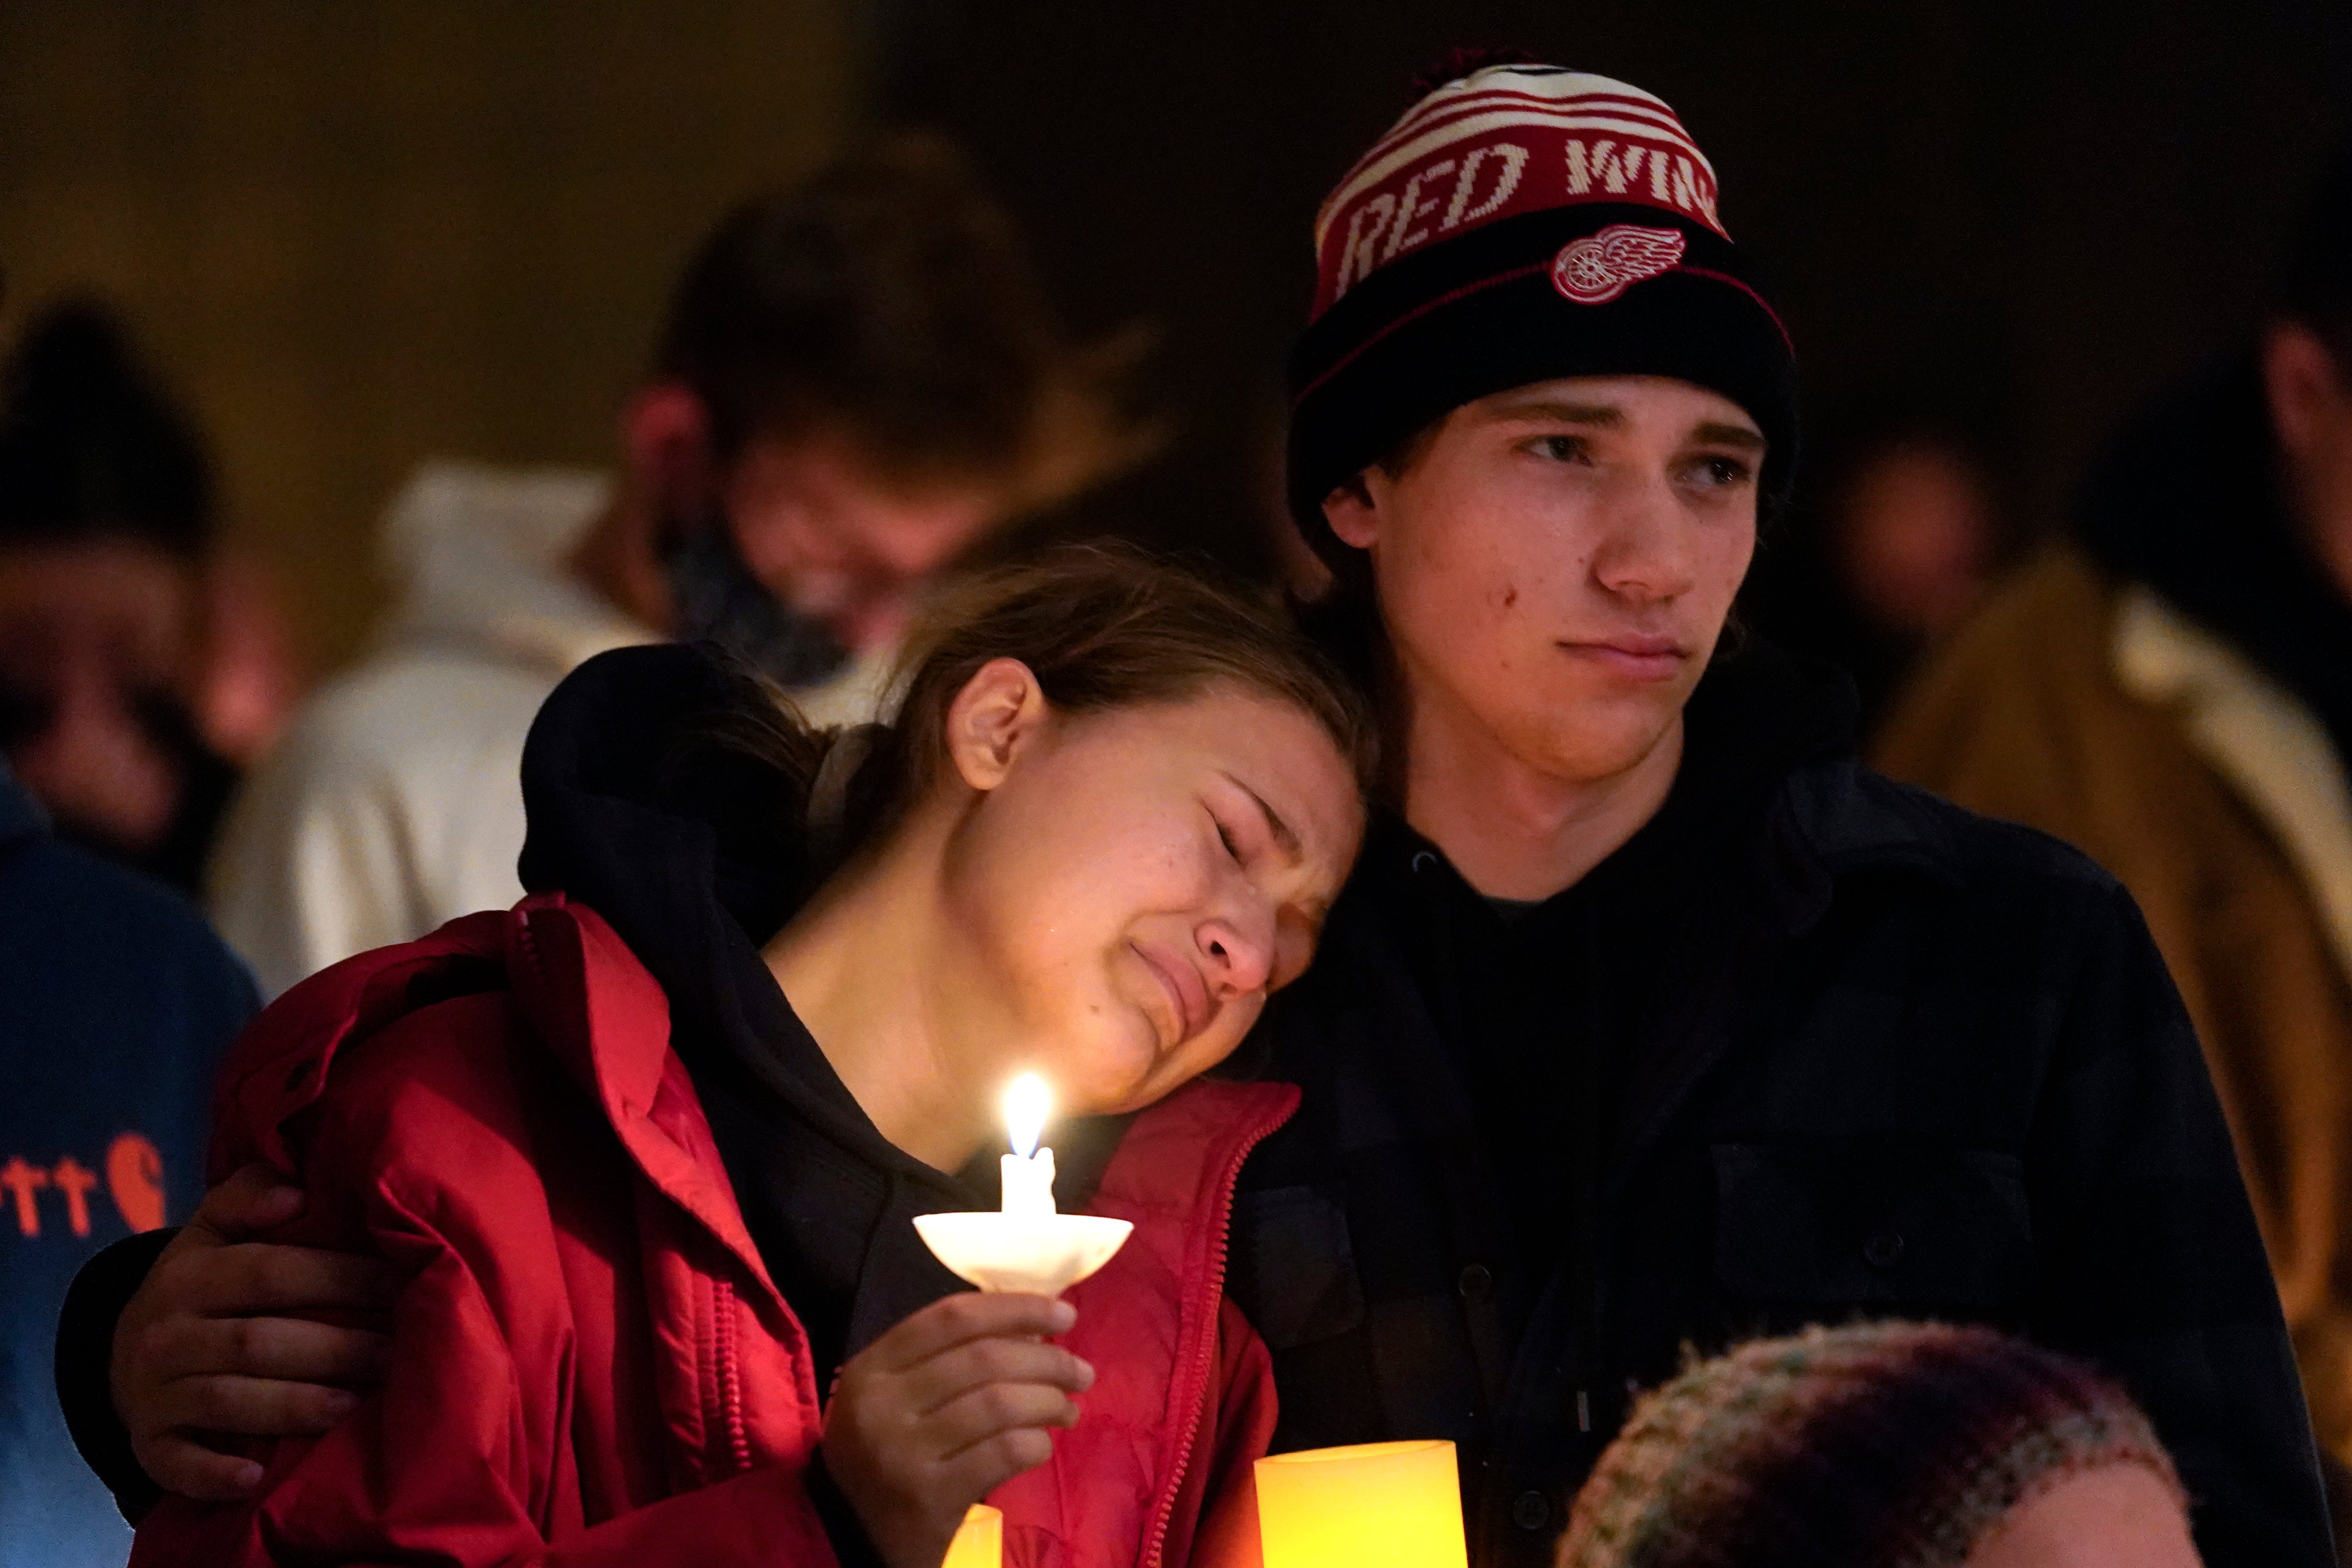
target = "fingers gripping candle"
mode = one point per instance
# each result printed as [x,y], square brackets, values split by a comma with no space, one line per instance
[1028,1170]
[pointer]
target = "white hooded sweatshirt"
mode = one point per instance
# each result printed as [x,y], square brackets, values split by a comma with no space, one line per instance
[394,802]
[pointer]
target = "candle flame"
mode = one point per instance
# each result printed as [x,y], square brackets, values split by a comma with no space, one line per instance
[1026,1105]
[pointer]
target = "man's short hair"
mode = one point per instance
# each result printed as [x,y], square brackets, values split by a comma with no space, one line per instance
[888,298]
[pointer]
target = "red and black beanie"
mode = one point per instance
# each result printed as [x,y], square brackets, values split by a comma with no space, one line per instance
[1521,224]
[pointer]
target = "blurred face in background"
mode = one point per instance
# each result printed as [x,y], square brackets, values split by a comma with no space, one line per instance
[98,640]
[831,534]
[1913,536]
[816,524]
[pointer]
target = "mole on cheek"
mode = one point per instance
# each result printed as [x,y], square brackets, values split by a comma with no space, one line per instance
[1510,597]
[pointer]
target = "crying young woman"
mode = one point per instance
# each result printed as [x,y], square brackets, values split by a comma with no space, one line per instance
[647,1146]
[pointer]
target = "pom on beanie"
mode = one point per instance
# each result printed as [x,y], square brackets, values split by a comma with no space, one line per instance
[1873,1446]
[1522,223]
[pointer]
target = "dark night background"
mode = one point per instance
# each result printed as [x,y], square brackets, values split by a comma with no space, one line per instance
[358,234]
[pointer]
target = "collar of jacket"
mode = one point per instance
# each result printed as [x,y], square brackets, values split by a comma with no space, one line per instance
[1770,741]
[2186,501]
[1788,722]
[2256,734]
[1827,826]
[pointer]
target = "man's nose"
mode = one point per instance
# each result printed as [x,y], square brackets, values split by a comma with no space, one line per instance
[1646,553]
[1240,961]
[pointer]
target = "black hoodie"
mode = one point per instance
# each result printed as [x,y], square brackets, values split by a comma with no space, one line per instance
[679,846]
[684,847]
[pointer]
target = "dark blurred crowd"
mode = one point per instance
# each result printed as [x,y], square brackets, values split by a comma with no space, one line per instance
[858,389]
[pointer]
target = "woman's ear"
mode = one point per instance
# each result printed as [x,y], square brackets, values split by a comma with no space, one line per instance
[992,720]
[1352,512]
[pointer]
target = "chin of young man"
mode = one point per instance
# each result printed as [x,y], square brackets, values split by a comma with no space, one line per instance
[1650,1020]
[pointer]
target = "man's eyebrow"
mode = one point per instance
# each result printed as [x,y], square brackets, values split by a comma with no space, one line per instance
[1283,835]
[1599,415]
[1739,435]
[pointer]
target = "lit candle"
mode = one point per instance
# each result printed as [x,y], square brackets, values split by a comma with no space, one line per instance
[1028,1170]
[1378,1505]
[1024,1245]
[979,1542]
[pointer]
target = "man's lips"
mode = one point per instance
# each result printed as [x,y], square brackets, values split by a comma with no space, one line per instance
[1188,996]
[1638,658]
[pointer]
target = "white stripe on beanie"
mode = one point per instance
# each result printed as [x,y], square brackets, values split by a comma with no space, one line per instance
[1498,142]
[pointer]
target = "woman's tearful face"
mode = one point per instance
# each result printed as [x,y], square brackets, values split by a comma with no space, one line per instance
[1141,880]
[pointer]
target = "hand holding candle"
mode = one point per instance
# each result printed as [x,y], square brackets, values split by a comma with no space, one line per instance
[941,1410]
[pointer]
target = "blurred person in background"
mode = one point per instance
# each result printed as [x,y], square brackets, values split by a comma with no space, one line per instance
[116,1005]
[1884,1445]
[1906,532]
[2171,688]
[135,663]
[858,380]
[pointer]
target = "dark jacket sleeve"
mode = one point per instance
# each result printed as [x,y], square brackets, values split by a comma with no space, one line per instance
[2152,1266]
[94,1304]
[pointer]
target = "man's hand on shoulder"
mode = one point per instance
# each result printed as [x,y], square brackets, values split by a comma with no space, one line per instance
[215,1344]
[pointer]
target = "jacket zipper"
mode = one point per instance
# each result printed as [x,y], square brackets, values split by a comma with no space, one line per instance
[1164,1510]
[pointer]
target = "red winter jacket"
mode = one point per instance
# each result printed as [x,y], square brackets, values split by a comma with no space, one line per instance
[590,1364]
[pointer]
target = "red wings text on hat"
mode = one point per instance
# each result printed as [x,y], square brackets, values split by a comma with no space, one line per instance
[1502,141]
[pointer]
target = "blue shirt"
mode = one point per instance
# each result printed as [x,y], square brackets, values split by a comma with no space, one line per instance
[116,1004]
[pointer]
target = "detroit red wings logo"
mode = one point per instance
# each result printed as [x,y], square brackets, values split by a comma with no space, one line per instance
[1599,267]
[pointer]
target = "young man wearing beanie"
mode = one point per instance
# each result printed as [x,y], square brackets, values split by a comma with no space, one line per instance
[1650,1018]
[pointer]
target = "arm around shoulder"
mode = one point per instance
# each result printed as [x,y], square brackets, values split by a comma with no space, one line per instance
[476,1449]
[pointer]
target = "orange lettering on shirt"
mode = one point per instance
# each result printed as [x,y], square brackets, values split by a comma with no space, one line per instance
[23,1181]
[134,1175]
[75,1179]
